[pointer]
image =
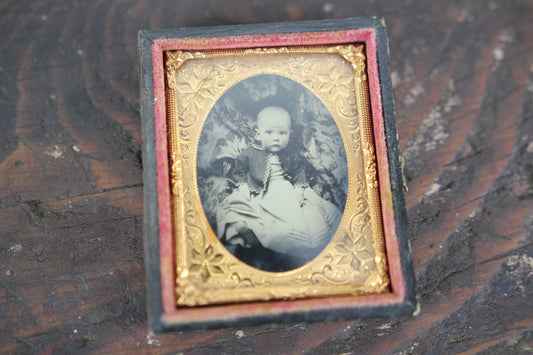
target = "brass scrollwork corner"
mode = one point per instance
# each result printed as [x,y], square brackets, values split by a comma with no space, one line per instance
[174,61]
[353,54]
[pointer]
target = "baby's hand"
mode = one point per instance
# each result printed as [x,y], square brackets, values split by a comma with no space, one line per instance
[247,234]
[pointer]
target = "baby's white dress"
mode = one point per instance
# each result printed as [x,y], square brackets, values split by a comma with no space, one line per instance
[288,219]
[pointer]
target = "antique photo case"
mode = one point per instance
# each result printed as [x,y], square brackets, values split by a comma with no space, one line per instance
[272,181]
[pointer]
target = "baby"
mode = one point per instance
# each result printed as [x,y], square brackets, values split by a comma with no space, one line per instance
[273,207]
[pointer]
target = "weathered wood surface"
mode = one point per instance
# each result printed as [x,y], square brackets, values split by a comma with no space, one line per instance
[71,261]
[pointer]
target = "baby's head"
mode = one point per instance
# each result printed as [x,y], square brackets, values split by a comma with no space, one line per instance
[273,128]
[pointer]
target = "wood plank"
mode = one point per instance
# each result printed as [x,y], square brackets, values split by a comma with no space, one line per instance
[71,259]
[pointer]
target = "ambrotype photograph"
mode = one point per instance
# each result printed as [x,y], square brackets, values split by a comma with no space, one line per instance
[272,172]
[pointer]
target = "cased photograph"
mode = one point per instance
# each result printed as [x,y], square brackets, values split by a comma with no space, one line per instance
[273,184]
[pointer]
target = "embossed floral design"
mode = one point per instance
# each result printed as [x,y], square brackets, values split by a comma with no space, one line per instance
[196,92]
[334,82]
[174,61]
[189,294]
[354,251]
[205,263]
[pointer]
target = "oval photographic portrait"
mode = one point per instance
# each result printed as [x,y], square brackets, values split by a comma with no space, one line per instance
[272,173]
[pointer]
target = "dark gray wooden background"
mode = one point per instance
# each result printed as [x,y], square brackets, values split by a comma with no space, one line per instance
[71,256]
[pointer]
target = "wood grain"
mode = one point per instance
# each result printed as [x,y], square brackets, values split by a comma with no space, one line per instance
[71,260]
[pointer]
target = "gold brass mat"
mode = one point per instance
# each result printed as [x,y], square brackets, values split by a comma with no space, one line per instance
[354,261]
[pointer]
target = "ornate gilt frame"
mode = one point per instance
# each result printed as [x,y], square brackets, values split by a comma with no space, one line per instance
[354,261]
[361,265]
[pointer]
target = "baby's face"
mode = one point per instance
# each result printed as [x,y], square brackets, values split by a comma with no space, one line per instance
[274,129]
